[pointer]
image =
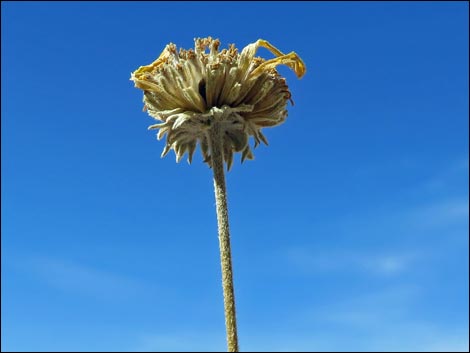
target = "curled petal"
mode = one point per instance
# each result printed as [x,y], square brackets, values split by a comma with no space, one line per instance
[292,60]
[142,70]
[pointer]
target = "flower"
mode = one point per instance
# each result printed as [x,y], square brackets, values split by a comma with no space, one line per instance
[188,90]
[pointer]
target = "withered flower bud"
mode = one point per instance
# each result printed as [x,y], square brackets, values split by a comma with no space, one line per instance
[190,90]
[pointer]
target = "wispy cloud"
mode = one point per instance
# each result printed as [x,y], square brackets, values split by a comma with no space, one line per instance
[195,341]
[378,320]
[402,337]
[385,264]
[456,171]
[442,213]
[80,279]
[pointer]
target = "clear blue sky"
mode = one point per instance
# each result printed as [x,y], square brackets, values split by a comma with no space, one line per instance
[349,232]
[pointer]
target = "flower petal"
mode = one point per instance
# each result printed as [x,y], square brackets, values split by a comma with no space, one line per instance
[292,60]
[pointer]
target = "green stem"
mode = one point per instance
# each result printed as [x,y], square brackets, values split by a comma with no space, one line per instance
[216,141]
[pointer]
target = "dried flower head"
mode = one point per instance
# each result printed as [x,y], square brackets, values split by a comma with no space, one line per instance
[188,90]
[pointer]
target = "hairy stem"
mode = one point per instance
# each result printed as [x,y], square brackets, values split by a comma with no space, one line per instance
[216,140]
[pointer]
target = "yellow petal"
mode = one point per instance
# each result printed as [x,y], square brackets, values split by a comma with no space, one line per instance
[142,70]
[292,60]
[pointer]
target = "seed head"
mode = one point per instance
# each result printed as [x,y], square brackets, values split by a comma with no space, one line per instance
[189,90]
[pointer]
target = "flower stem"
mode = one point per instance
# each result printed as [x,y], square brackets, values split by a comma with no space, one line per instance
[216,140]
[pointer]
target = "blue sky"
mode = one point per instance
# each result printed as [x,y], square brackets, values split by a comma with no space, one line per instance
[349,232]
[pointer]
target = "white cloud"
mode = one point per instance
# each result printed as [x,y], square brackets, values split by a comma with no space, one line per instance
[182,341]
[391,264]
[386,264]
[80,279]
[431,204]
[381,320]
[457,171]
[402,337]
[446,212]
